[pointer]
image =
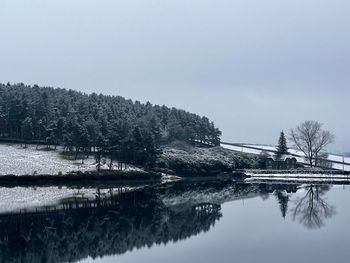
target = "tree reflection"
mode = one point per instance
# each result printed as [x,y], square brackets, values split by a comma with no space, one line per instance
[312,209]
[116,222]
[282,199]
[108,225]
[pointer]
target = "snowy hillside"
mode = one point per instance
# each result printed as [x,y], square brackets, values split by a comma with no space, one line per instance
[258,149]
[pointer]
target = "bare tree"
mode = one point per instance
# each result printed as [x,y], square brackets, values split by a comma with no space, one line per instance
[311,139]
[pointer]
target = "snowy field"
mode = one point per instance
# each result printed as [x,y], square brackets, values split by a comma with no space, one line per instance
[16,160]
[27,161]
[331,157]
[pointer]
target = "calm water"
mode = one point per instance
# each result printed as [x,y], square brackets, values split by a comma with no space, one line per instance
[187,222]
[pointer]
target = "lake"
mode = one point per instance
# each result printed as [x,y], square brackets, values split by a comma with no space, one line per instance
[186,221]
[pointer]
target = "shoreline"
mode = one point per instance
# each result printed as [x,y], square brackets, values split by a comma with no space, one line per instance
[107,177]
[82,178]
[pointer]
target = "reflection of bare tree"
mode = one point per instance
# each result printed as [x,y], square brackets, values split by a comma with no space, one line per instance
[312,208]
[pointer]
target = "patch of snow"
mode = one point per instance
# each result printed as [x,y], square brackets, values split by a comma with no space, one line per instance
[300,179]
[27,161]
[300,175]
[264,147]
[16,160]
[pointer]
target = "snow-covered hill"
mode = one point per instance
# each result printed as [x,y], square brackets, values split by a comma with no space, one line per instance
[337,160]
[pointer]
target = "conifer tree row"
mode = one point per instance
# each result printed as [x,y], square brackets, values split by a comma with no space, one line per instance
[126,130]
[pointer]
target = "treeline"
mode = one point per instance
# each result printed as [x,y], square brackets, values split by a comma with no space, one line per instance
[110,125]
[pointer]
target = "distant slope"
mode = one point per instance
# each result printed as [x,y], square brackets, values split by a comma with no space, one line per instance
[338,162]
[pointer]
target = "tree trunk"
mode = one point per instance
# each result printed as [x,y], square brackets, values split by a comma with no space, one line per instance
[76,153]
[111,161]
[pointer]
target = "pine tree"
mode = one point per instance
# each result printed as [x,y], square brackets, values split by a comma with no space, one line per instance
[282,145]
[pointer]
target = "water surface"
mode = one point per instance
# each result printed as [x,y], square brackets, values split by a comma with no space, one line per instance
[212,221]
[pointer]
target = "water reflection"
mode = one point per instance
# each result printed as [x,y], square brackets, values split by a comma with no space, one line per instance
[114,223]
[104,226]
[312,208]
[282,199]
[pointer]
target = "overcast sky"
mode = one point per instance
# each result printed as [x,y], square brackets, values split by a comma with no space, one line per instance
[254,67]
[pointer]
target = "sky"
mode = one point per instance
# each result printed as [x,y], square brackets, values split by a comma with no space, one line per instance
[253,67]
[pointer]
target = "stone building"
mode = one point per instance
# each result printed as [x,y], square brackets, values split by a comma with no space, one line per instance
[283,163]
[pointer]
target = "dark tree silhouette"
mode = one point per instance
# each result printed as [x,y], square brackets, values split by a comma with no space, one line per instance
[282,145]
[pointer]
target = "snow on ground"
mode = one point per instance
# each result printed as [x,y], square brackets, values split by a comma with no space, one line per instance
[28,161]
[301,159]
[331,157]
[265,147]
[300,175]
[299,180]
[338,158]
[240,149]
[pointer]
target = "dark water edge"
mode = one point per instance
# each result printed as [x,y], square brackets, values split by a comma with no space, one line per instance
[81,178]
[162,217]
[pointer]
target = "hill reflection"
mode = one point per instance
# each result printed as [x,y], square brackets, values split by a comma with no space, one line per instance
[101,227]
[118,222]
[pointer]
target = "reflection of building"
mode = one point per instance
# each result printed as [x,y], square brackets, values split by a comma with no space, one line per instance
[283,163]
